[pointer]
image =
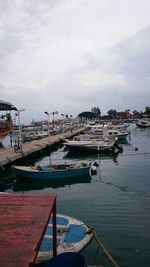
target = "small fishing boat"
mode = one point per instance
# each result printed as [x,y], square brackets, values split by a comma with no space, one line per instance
[121,135]
[67,259]
[73,235]
[52,171]
[143,123]
[93,145]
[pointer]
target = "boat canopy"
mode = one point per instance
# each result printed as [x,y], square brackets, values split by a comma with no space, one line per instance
[6,105]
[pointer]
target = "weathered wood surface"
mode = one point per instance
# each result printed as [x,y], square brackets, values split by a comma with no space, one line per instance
[8,155]
[23,221]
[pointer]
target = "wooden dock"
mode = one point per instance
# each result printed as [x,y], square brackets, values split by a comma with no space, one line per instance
[8,155]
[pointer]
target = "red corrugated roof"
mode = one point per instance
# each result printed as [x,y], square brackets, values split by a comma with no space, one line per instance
[23,221]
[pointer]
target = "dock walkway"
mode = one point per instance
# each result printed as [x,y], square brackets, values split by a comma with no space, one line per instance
[8,155]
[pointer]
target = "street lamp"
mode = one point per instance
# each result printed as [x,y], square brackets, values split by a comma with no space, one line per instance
[54,112]
[63,122]
[71,123]
[19,124]
[48,114]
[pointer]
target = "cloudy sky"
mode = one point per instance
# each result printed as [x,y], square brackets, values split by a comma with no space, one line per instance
[72,55]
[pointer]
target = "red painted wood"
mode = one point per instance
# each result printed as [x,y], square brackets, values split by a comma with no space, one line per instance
[23,221]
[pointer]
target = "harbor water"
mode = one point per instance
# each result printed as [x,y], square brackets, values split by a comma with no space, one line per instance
[115,201]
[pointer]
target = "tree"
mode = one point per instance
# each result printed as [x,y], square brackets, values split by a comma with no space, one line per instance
[96,111]
[87,115]
[147,111]
[136,113]
[112,113]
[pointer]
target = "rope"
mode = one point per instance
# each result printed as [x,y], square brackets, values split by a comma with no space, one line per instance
[135,154]
[101,245]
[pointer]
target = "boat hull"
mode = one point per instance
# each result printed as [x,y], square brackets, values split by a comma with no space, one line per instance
[94,149]
[53,174]
[5,129]
[65,259]
[91,146]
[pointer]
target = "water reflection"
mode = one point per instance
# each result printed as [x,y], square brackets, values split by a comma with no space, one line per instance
[24,184]
[90,156]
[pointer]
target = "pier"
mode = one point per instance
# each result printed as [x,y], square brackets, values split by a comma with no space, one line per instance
[8,155]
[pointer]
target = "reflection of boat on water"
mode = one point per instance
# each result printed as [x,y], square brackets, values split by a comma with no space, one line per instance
[123,142]
[72,154]
[24,184]
[72,236]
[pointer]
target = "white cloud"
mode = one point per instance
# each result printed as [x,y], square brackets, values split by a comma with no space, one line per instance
[70,55]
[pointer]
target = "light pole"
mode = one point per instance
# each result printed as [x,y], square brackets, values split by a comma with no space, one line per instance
[71,123]
[19,125]
[54,112]
[63,122]
[48,114]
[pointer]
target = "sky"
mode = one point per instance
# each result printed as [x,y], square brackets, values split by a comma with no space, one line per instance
[72,55]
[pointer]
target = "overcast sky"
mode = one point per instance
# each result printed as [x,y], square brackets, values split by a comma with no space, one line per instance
[72,55]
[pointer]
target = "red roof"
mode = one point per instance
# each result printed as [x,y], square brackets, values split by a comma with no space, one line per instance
[23,221]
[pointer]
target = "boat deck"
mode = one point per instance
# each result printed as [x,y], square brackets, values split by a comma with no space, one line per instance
[8,155]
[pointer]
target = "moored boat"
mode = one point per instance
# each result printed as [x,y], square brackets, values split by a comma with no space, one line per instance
[73,235]
[6,125]
[143,124]
[92,145]
[121,135]
[52,171]
[66,259]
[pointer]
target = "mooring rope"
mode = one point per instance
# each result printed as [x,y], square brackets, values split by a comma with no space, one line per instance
[135,154]
[101,245]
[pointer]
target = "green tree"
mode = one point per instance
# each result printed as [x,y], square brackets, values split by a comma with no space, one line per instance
[87,114]
[96,111]
[136,113]
[112,113]
[147,111]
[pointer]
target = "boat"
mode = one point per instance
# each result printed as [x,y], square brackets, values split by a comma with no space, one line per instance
[73,235]
[6,125]
[143,124]
[34,135]
[66,259]
[121,135]
[93,145]
[52,171]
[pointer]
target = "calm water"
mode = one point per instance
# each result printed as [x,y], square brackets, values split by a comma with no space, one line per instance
[116,201]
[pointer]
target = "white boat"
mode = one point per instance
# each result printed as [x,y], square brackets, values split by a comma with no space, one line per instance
[95,129]
[121,135]
[143,124]
[107,131]
[72,236]
[93,145]
[34,135]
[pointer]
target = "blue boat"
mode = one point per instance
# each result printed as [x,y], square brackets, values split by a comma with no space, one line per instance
[52,171]
[72,236]
[67,259]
